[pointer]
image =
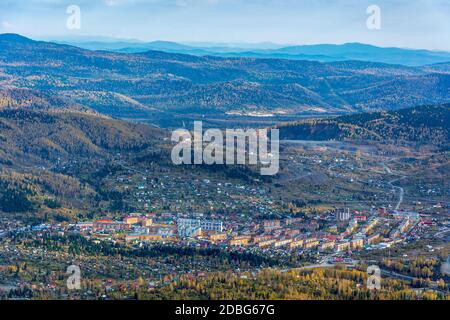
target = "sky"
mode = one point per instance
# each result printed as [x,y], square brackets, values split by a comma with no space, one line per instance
[403,23]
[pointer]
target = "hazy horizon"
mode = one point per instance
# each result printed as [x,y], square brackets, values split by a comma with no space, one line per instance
[405,24]
[205,44]
[102,39]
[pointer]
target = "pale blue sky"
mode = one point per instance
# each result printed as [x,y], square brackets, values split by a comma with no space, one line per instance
[405,23]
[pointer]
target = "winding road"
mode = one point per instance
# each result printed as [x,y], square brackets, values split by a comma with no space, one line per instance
[401,191]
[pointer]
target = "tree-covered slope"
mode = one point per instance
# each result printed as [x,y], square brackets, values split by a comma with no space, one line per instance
[420,125]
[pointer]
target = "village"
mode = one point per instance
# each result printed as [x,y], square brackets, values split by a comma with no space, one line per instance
[339,233]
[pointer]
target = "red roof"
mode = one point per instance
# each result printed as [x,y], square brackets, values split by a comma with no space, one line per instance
[105,221]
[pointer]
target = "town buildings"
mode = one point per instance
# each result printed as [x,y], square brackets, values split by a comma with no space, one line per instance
[343,215]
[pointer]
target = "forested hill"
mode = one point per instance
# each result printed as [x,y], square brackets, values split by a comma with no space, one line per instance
[48,135]
[41,153]
[142,84]
[19,98]
[422,125]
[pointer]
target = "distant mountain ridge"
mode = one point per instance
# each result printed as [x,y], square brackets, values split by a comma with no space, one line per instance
[139,85]
[320,52]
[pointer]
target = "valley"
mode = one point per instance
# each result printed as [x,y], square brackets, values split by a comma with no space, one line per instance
[111,170]
[87,177]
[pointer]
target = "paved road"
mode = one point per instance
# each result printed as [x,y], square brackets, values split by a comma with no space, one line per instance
[396,275]
[401,191]
[400,196]
[324,263]
[442,233]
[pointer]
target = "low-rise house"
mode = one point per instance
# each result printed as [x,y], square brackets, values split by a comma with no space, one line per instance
[240,241]
[217,237]
[357,243]
[143,237]
[108,225]
[343,246]
[84,226]
[261,238]
[311,243]
[373,238]
[296,243]
[327,246]
[266,243]
[270,225]
[131,220]
[282,243]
